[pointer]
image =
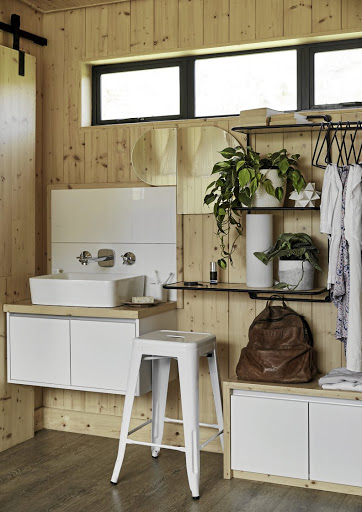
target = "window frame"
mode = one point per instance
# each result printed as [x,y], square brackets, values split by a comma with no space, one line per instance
[329,47]
[98,71]
[305,79]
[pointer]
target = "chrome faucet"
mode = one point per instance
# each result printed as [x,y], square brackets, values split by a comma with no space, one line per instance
[105,258]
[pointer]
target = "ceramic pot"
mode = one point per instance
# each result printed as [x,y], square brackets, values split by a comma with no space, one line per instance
[261,198]
[293,272]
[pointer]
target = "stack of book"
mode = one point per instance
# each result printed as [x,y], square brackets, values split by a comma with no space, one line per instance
[257,116]
[288,118]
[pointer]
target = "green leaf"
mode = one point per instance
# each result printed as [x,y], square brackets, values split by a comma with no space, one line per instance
[211,184]
[244,177]
[261,256]
[283,165]
[244,198]
[221,166]
[222,263]
[240,164]
[280,286]
[209,198]
[227,152]
[269,187]
[253,186]
[279,193]
[301,184]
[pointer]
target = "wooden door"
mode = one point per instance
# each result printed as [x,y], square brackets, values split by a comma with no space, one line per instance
[17,226]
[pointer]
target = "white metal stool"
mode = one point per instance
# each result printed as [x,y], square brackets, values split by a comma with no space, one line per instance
[161,347]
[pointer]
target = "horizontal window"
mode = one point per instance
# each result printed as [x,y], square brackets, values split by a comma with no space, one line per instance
[338,77]
[292,78]
[142,93]
[226,85]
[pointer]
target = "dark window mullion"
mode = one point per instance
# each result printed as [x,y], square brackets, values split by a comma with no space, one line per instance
[303,79]
[190,91]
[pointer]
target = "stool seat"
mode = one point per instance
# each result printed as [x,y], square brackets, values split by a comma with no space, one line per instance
[187,347]
[171,342]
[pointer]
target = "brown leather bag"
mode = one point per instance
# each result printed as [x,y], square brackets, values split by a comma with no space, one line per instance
[280,348]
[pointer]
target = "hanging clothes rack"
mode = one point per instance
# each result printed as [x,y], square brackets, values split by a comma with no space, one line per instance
[338,142]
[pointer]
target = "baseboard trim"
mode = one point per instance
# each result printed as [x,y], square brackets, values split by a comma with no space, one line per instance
[297,482]
[106,425]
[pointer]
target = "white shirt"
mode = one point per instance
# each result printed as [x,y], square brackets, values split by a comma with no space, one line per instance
[331,217]
[353,234]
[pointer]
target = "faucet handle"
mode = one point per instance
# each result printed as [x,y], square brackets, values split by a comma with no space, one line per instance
[84,257]
[128,258]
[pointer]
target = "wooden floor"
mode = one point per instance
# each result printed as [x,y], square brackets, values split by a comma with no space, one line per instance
[58,471]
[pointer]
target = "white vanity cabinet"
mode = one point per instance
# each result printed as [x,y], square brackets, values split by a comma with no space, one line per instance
[100,355]
[269,435]
[335,442]
[39,350]
[88,353]
[296,434]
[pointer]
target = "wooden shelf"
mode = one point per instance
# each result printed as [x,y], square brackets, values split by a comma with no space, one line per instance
[278,208]
[254,293]
[278,128]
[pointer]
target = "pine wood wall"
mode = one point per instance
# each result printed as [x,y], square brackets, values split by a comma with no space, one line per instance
[102,155]
[75,155]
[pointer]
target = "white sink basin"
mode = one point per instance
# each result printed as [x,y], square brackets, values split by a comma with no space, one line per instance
[88,290]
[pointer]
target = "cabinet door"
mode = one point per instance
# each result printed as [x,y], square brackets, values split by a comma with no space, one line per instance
[335,443]
[269,436]
[39,350]
[100,354]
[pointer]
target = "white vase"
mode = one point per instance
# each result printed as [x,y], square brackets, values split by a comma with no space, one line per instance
[293,272]
[261,197]
[259,237]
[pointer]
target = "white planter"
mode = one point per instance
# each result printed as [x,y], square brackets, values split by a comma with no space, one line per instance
[291,272]
[259,237]
[261,198]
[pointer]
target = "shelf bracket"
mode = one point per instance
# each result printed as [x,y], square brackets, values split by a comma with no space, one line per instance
[256,296]
[14,28]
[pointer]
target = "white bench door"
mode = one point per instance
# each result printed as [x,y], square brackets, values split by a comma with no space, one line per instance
[100,354]
[39,350]
[335,443]
[269,436]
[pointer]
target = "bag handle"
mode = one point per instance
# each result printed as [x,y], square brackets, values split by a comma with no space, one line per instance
[274,297]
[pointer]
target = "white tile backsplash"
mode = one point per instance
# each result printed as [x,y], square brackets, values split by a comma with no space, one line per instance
[139,220]
[114,215]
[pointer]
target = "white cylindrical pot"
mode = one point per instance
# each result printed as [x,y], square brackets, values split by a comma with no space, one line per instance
[259,237]
[293,272]
[261,197]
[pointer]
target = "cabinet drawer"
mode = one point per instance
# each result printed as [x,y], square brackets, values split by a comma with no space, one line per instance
[39,350]
[100,355]
[270,436]
[335,443]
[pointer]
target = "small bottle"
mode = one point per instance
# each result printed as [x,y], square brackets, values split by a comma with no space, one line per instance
[213,272]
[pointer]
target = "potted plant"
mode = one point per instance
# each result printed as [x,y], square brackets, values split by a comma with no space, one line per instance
[298,257]
[245,179]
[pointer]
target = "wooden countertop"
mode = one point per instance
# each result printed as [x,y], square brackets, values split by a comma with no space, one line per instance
[311,388]
[126,312]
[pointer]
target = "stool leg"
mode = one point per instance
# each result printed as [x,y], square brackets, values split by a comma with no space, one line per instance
[214,376]
[189,384]
[160,376]
[133,373]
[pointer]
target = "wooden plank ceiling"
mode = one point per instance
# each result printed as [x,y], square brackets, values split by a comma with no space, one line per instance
[46,6]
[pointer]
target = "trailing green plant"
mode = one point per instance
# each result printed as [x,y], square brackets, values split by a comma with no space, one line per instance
[291,246]
[239,178]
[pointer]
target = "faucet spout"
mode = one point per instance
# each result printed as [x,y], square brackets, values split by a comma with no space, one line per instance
[105,258]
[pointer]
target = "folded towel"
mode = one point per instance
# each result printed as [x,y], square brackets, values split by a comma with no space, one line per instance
[341,378]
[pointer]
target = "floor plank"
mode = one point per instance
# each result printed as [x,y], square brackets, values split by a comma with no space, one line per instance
[63,472]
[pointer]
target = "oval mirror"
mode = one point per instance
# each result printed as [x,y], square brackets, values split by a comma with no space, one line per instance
[154,157]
